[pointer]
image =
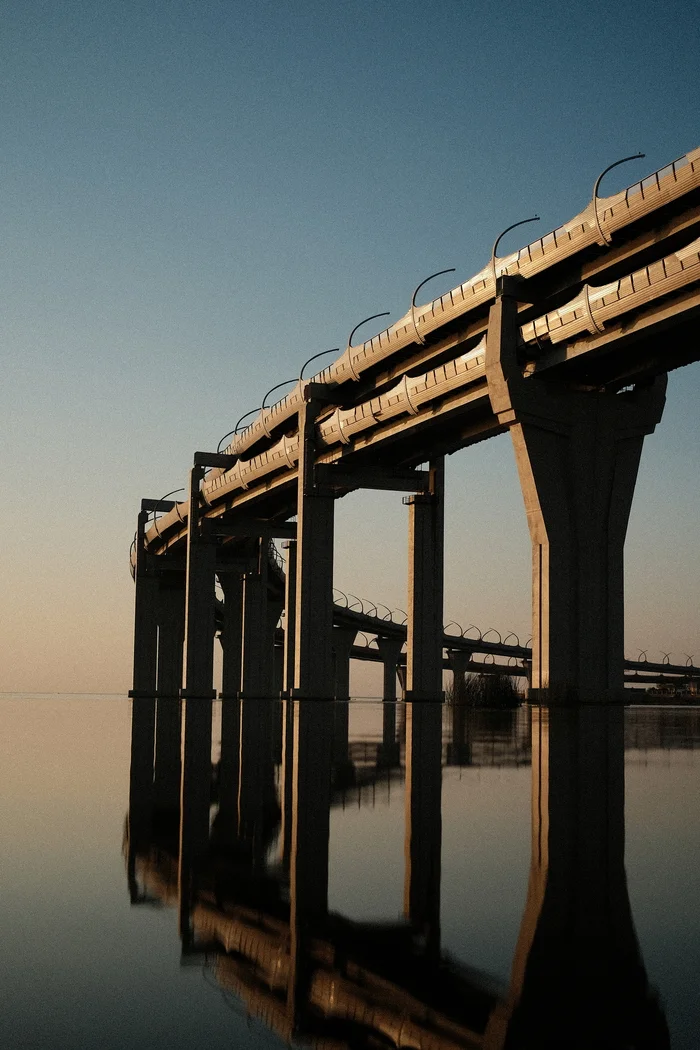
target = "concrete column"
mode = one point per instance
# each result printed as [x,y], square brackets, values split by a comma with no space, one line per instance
[167,763]
[424,629]
[143,710]
[343,641]
[459,660]
[145,618]
[290,589]
[577,969]
[277,664]
[388,754]
[171,633]
[313,656]
[195,800]
[231,635]
[200,622]
[286,781]
[341,742]
[313,728]
[577,452]
[390,649]
[257,797]
[226,821]
[459,750]
[308,859]
[423,821]
[259,621]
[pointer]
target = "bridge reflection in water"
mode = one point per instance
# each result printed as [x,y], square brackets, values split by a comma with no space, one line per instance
[261,920]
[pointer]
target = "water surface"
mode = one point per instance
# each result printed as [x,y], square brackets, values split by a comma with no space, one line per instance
[337,875]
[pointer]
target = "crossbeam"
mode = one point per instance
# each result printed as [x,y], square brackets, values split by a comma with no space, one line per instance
[340,476]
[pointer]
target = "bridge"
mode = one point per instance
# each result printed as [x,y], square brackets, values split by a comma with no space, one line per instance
[565,343]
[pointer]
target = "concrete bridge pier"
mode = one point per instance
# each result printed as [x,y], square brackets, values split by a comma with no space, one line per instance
[231,634]
[257,797]
[290,588]
[423,822]
[260,617]
[277,662]
[312,728]
[145,617]
[195,799]
[200,623]
[390,650]
[286,781]
[578,978]
[343,641]
[141,794]
[424,631]
[578,453]
[388,754]
[167,752]
[226,820]
[171,634]
[459,660]
[459,749]
[313,648]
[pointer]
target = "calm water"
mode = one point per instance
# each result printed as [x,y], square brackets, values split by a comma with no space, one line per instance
[339,875]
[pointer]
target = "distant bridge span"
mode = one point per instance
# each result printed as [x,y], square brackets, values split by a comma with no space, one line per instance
[565,343]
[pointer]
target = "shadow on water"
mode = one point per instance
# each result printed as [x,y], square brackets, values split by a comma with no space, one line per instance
[259,916]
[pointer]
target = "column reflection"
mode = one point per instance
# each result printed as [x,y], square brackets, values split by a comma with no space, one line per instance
[252,886]
[578,979]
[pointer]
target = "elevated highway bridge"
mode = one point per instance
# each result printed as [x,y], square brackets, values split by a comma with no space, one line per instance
[565,343]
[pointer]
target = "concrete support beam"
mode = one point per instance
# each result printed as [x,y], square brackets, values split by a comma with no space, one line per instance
[231,635]
[424,629]
[145,618]
[339,476]
[578,453]
[423,822]
[313,655]
[199,600]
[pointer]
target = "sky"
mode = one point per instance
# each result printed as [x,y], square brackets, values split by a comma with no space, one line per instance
[199,194]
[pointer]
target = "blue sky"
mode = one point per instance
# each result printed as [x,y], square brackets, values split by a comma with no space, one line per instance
[199,195]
